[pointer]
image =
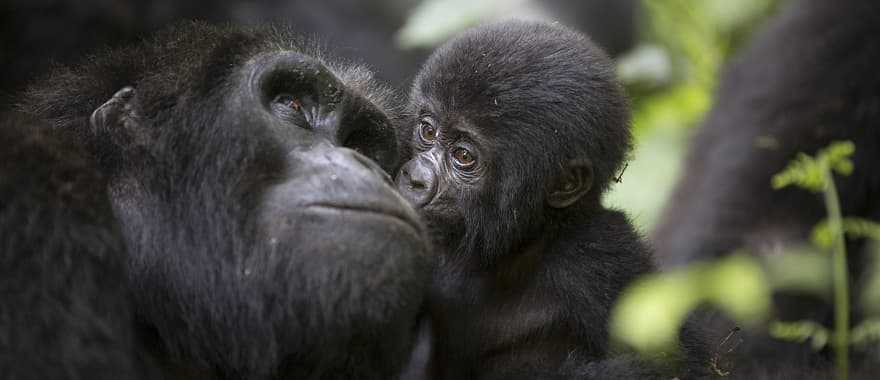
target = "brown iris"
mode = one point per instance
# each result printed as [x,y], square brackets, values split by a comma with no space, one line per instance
[463,158]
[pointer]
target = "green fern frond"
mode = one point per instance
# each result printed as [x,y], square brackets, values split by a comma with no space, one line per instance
[800,332]
[866,333]
[809,172]
[822,235]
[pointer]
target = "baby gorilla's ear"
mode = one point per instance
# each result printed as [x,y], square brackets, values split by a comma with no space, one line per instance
[574,182]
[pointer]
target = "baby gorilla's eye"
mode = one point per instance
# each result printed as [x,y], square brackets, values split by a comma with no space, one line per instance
[463,158]
[427,132]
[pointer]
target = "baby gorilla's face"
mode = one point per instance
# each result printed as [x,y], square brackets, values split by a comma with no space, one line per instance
[512,122]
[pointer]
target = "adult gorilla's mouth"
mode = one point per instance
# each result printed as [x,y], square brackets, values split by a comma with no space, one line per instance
[382,211]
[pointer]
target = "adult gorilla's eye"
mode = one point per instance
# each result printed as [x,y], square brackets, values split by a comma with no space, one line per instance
[427,132]
[288,101]
[290,108]
[463,158]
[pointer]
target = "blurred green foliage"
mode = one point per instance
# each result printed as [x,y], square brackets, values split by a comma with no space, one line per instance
[810,172]
[866,333]
[871,292]
[854,227]
[817,174]
[862,336]
[801,269]
[651,312]
[671,79]
[434,21]
[801,331]
[698,36]
[649,315]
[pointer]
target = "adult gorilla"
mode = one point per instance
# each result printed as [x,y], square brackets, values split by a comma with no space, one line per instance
[258,246]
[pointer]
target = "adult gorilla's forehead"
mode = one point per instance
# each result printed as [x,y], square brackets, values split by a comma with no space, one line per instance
[189,56]
[166,59]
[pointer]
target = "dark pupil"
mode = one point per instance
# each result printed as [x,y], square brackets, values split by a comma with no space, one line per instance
[428,131]
[464,156]
[290,102]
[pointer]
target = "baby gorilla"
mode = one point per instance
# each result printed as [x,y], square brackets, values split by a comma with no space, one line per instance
[518,129]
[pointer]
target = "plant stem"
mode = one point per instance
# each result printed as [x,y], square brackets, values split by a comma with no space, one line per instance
[840,278]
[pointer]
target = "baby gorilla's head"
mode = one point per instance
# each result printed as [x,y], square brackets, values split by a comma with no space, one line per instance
[513,122]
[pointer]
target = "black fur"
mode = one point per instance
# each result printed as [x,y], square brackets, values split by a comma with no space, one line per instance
[64,314]
[808,78]
[259,248]
[523,289]
[35,34]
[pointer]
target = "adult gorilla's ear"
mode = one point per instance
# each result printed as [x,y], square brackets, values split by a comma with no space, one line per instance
[117,118]
[575,181]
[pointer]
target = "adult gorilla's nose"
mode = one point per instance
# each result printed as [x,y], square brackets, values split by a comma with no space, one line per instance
[417,182]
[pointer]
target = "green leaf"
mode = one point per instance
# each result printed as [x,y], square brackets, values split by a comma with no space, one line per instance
[866,333]
[804,172]
[871,293]
[800,332]
[823,237]
[809,172]
[837,156]
[434,21]
[800,269]
[650,313]
[738,285]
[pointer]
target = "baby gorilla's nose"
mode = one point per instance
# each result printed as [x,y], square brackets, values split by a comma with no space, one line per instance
[417,182]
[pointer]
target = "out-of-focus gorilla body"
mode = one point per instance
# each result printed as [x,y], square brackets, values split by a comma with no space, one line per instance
[248,176]
[808,79]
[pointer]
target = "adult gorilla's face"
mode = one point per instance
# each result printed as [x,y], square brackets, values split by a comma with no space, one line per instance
[250,180]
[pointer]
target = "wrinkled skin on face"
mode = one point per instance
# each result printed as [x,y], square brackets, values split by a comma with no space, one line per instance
[249,177]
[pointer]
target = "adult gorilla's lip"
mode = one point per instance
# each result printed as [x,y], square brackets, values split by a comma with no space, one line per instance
[388,212]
